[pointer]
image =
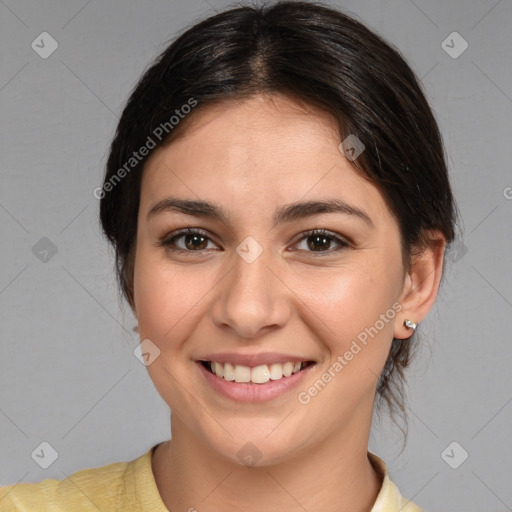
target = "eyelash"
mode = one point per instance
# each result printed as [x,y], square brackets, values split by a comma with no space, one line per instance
[169,242]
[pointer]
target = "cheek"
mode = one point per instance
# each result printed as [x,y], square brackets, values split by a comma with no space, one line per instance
[354,299]
[151,295]
[167,303]
[359,306]
[159,295]
[168,299]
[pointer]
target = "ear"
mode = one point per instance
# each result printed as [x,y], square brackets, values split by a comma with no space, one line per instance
[421,284]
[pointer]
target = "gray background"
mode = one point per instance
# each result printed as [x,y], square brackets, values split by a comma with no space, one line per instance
[68,375]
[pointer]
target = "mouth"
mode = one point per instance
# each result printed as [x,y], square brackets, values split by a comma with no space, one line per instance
[258,375]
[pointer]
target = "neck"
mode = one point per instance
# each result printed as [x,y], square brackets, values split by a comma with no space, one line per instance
[334,476]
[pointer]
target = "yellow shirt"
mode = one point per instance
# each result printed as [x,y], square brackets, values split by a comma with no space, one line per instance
[131,487]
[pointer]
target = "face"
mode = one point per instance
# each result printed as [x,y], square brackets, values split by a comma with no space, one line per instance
[255,282]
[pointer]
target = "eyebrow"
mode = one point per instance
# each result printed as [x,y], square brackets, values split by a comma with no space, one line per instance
[286,213]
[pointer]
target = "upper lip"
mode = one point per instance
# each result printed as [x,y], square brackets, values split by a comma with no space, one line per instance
[253,359]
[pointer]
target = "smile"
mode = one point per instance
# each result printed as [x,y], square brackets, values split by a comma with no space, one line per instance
[253,378]
[260,374]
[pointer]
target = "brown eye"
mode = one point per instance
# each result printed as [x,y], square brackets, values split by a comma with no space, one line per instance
[192,241]
[318,240]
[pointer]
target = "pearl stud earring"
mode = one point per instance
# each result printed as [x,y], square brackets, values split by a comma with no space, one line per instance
[410,324]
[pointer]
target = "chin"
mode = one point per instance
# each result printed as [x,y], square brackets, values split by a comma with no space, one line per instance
[255,453]
[256,447]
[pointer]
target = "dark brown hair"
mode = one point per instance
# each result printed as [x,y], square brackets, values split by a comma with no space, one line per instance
[325,60]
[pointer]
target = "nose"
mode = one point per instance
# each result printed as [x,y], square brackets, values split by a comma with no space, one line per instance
[252,299]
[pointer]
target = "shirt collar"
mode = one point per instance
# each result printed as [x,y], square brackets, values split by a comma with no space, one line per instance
[389,498]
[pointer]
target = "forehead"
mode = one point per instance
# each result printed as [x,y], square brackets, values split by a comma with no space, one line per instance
[251,127]
[253,152]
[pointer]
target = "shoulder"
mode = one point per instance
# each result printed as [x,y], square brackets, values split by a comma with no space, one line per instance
[111,487]
[389,498]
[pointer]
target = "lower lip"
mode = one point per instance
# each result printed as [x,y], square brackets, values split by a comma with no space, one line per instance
[250,392]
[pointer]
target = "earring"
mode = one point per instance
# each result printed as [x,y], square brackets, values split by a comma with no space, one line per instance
[136,328]
[410,324]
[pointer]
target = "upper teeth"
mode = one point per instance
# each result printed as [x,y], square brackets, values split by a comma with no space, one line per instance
[258,374]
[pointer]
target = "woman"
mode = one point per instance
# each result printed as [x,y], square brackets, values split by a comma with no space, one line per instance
[278,200]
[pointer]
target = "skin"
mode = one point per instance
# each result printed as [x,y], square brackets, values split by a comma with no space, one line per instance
[252,157]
